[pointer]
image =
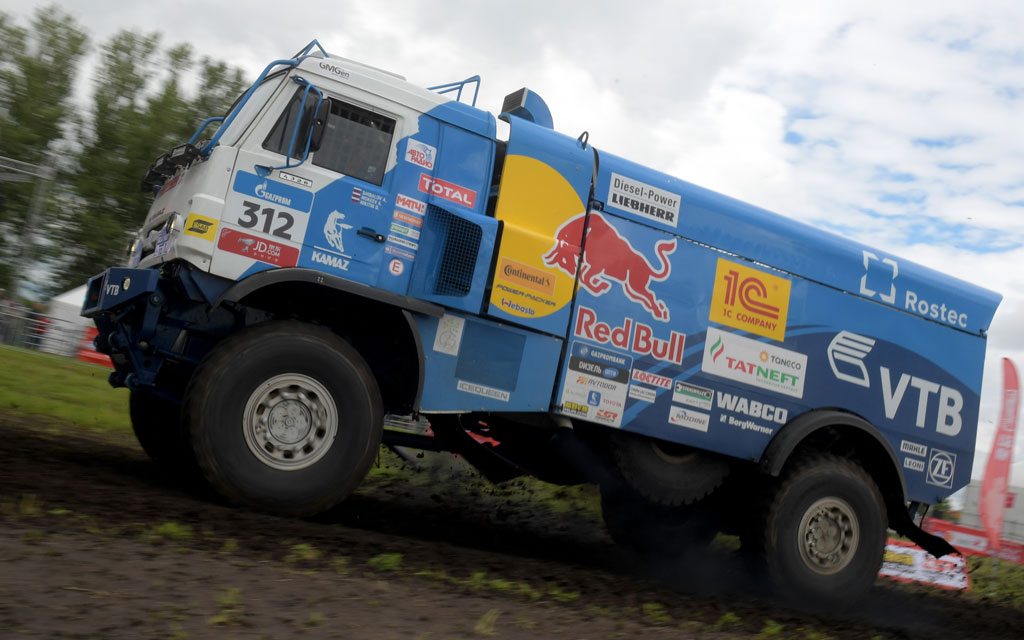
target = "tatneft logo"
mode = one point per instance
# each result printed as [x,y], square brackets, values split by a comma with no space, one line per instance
[755,363]
[911,301]
[750,300]
[851,349]
[941,467]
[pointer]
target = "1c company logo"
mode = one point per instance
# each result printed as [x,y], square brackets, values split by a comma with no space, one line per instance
[750,300]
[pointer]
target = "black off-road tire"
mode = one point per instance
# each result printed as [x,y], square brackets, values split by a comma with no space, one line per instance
[655,531]
[667,474]
[285,418]
[158,427]
[825,531]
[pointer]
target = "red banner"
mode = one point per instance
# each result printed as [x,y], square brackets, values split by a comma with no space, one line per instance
[974,542]
[992,501]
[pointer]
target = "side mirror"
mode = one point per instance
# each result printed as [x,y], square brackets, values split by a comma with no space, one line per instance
[319,125]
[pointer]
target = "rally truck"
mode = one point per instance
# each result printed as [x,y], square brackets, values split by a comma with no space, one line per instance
[350,261]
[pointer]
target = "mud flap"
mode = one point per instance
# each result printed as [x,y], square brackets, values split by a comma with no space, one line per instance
[901,523]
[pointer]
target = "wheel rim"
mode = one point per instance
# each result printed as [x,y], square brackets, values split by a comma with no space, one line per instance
[290,422]
[829,533]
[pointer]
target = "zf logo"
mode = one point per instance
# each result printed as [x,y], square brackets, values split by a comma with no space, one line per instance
[941,466]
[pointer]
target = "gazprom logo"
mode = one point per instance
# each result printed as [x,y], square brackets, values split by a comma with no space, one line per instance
[279,193]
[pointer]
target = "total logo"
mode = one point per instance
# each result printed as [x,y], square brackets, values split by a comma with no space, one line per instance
[912,301]
[609,257]
[631,335]
[447,190]
[945,403]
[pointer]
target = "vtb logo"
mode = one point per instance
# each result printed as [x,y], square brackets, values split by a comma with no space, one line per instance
[750,300]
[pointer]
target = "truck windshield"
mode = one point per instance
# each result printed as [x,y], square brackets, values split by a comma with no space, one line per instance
[247,112]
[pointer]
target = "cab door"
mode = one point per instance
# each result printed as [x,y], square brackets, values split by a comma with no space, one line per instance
[329,212]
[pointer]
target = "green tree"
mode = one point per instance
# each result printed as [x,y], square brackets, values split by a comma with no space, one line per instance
[38,67]
[140,109]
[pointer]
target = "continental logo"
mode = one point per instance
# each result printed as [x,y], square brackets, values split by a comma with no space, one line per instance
[201,227]
[527,277]
[750,300]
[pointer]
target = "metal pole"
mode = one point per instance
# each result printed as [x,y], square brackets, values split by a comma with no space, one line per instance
[43,174]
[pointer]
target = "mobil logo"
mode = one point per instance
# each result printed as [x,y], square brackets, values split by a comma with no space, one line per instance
[609,257]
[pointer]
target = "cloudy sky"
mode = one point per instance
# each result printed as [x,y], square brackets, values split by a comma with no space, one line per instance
[894,123]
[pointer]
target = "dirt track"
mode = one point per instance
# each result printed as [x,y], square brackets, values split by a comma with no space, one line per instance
[96,544]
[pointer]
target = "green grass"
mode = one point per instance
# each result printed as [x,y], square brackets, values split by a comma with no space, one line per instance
[34,384]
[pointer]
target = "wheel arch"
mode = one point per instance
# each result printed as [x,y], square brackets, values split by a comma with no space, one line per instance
[377,323]
[835,431]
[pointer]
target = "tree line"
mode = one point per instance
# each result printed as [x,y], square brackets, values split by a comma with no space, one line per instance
[144,97]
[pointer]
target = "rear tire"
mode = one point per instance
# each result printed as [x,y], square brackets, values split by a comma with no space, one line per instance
[825,531]
[656,531]
[285,418]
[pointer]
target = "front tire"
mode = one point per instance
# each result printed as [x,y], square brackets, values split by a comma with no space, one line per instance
[285,418]
[825,531]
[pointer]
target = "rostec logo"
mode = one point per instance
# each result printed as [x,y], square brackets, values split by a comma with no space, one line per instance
[610,257]
[755,363]
[420,154]
[447,190]
[750,300]
[889,297]
[941,466]
[852,349]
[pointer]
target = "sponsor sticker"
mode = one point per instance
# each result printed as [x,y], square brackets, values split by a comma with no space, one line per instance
[243,244]
[597,380]
[279,193]
[526,276]
[329,260]
[201,227]
[643,199]
[411,204]
[653,379]
[631,335]
[752,408]
[692,395]
[396,267]
[449,334]
[757,364]
[447,190]
[399,252]
[402,230]
[941,467]
[408,244]
[481,390]
[750,300]
[408,219]
[642,393]
[913,448]
[913,464]
[683,417]
[420,154]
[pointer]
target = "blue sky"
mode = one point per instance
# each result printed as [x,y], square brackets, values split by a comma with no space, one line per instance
[896,124]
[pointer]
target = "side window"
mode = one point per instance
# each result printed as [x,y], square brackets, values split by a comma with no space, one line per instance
[356,142]
[281,135]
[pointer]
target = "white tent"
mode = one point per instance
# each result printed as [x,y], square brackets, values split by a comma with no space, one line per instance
[66,328]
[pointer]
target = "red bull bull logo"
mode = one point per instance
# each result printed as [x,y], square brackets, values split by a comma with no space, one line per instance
[610,257]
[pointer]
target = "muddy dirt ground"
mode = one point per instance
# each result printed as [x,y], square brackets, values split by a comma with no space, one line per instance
[96,543]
